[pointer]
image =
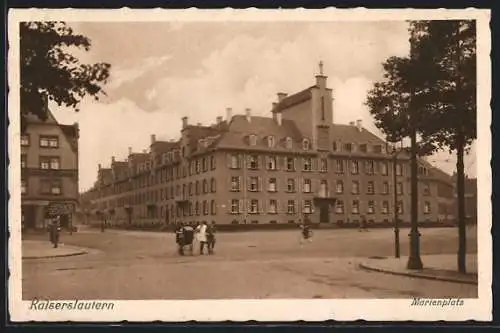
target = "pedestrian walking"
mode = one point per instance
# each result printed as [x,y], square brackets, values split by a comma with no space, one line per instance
[305,232]
[201,233]
[211,230]
[188,238]
[54,231]
[179,238]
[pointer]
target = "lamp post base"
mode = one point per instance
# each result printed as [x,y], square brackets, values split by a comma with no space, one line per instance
[414,263]
[414,260]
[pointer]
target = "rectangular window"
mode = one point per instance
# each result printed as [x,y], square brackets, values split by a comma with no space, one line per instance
[53,187]
[323,165]
[370,188]
[354,167]
[272,185]
[385,207]
[384,170]
[47,141]
[290,185]
[235,206]
[339,207]
[213,207]
[339,166]
[371,207]
[253,184]
[253,162]
[427,207]
[24,161]
[273,206]
[52,163]
[355,187]
[205,207]
[307,206]
[339,187]
[205,164]
[235,183]
[25,140]
[290,207]
[197,166]
[271,163]
[205,186]
[190,188]
[377,149]
[307,186]
[369,169]
[363,148]
[355,207]
[385,188]
[348,147]
[290,163]
[254,206]
[307,164]
[400,207]
[212,162]
[213,185]
[399,169]
[399,187]
[235,161]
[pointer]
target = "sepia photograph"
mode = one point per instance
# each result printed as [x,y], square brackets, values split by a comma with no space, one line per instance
[249,165]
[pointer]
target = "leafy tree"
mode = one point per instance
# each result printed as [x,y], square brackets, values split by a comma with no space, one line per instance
[449,103]
[50,72]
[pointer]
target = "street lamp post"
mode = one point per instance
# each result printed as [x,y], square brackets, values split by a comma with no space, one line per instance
[396,217]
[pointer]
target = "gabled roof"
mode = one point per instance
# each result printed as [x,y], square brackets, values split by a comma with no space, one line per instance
[351,134]
[294,99]
[163,146]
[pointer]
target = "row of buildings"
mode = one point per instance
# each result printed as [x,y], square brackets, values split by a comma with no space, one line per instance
[247,169]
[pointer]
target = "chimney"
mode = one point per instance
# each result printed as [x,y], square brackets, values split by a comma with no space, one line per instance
[218,120]
[129,151]
[281,96]
[352,123]
[278,117]
[144,151]
[359,124]
[274,105]
[321,77]
[153,138]
[184,122]
[112,159]
[248,114]
[229,114]
[99,166]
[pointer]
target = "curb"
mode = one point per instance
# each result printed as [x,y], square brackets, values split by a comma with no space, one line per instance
[417,275]
[58,255]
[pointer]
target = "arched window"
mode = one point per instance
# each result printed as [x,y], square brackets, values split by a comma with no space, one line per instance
[306,145]
[288,143]
[271,141]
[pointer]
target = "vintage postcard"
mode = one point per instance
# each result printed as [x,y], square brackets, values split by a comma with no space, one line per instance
[269,165]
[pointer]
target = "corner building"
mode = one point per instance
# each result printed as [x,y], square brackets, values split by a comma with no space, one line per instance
[257,170]
[49,172]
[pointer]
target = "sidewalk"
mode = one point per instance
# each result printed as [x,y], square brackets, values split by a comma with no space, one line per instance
[436,267]
[32,249]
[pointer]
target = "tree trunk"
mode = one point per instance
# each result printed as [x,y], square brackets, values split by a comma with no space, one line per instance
[461,204]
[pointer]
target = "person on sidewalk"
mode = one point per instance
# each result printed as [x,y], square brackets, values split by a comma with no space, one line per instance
[188,237]
[179,238]
[201,233]
[364,224]
[55,230]
[211,230]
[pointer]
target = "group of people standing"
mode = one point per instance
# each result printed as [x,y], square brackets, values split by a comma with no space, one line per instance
[187,233]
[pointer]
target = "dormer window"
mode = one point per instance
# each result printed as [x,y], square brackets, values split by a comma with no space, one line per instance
[334,146]
[288,143]
[252,140]
[377,149]
[363,148]
[271,141]
[348,146]
[306,145]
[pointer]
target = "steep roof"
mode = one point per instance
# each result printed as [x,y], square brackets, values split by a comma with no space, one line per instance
[294,99]
[239,128]
[351,134]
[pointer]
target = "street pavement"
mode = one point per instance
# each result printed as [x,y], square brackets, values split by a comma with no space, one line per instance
[133,265]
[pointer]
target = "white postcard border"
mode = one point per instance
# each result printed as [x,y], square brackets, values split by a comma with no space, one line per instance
[261,310]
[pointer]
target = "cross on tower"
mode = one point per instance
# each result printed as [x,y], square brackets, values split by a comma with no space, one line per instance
[321,67]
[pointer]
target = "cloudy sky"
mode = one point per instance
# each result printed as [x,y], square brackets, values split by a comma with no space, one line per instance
[163,71]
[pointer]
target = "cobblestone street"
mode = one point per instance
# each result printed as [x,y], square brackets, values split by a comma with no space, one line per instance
[144,265]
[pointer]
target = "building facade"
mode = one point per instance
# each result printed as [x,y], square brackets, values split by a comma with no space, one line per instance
[49,172]
[247,169]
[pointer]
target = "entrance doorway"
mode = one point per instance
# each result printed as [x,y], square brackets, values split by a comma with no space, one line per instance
[324,213]
[28,216]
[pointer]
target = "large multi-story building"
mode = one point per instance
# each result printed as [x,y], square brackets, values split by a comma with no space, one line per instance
[252,169]
[49,171]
